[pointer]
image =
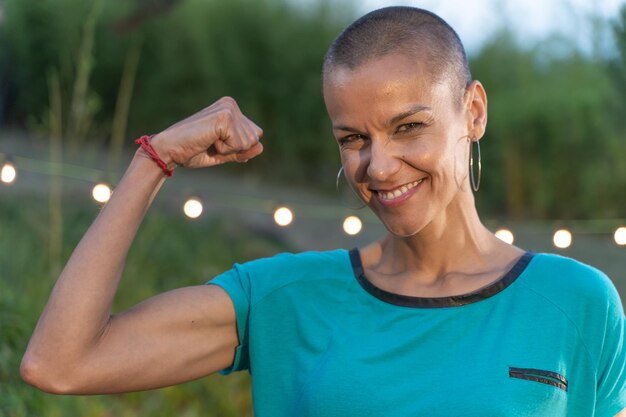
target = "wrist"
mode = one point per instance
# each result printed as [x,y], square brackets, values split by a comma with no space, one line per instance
[154,150]
[159,144]
[143,163]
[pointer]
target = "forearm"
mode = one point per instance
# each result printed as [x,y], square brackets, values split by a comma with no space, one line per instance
[77,347]
[79,307]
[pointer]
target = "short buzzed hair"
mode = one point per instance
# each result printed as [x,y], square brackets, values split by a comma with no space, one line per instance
[411,30]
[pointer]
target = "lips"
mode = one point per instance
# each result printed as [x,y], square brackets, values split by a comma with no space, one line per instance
[398,193]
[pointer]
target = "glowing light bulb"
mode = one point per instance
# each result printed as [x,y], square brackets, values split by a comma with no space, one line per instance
[505,235]
[101,192]
[352,225]
[620,236]
[193,208]
[8,173]
[562,239]
[283,216]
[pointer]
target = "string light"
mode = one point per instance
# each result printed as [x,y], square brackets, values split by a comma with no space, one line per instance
[283,216]
[8,173]
[101,192]
[505,235]
[352,225]
[620,236]
[193,208]
[562,239]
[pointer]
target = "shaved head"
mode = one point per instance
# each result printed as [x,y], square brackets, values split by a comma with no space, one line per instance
[413,32]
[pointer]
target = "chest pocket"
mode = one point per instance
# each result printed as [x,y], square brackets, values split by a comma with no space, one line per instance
[539,375]
[540,392]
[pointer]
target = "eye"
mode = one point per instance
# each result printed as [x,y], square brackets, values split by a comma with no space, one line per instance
[407,127]
[344,140]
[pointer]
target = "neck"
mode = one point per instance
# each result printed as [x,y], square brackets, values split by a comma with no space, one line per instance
[454,241]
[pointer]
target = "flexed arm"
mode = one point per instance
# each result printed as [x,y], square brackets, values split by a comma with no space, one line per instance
[78,346]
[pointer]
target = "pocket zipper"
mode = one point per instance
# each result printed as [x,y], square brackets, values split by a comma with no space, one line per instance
[539,375]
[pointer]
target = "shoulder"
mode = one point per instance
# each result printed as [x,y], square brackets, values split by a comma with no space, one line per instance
[267,275]
[566,279]
[584,294]
[300,265]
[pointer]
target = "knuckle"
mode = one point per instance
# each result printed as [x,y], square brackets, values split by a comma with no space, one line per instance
[227,116]
[229,101]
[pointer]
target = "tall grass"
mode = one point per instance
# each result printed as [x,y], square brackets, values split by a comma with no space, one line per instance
[169,252]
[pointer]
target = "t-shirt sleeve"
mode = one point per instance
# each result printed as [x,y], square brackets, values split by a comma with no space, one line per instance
[611,371]
[236,283]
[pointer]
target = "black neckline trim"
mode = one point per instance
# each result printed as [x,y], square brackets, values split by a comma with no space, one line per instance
[438,302]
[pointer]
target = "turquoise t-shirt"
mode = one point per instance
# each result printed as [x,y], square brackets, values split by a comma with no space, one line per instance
[320,340]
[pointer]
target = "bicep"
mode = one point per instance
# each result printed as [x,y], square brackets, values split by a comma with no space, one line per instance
[171,338]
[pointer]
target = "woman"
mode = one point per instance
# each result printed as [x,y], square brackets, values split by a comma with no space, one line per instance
[437,318]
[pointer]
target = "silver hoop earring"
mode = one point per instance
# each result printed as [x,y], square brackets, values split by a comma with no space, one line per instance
[475,184]
[337,180]
[339,193]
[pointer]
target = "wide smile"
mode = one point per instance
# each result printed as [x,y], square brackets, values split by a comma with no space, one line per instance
[398,195]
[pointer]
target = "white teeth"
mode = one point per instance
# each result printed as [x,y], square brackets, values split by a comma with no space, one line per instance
[390,195]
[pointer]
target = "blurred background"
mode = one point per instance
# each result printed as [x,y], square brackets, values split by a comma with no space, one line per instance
[80,80]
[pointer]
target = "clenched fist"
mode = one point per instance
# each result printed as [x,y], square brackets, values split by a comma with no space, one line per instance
[217,134]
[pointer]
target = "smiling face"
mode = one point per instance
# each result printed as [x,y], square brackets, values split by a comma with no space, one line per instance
[403,140]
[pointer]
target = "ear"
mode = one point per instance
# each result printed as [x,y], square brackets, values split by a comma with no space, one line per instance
[476,110]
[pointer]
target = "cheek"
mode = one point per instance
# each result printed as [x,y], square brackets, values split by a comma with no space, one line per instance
[446,162]
[461,162]
[353,165]
[423,154]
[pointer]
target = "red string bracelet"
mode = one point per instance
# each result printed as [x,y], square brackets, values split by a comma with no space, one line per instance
[144,142]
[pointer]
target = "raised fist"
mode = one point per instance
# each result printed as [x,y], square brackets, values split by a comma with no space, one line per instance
[217,134]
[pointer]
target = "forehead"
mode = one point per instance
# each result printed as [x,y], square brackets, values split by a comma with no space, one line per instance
[383,86]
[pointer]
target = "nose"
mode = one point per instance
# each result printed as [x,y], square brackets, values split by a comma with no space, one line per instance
[383,162]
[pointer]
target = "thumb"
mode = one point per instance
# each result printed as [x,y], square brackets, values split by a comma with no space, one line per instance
[243,156]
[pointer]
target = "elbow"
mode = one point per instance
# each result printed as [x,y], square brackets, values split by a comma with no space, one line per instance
[35,372]
[31,373]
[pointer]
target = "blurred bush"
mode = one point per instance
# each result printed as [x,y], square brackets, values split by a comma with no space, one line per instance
[555,144]
[159,261]
[266,54]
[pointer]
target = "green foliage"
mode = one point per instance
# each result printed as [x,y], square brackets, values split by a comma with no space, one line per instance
[169,252]
[552,131]
[554,145]
[618,66]
[266,54]
[38,37]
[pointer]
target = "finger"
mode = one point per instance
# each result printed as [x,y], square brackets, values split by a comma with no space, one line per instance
[240,138]
[256,130]
[253,152]
[244,156]
[251,136]
[225,147]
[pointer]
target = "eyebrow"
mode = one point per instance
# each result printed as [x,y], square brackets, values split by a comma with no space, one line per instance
[410,112]
[395,119]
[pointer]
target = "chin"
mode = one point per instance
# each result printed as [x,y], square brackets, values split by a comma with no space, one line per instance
[405,223]
[402,229]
